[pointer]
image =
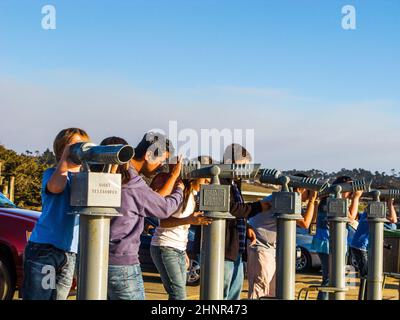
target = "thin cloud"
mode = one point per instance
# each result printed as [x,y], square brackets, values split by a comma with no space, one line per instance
[288,134]
[274,93]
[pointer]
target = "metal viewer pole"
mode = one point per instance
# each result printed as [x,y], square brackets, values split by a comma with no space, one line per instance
[94,233]
[215,203]
[337,216]
[376,217]
[287,206]
[213,242]
[94,197]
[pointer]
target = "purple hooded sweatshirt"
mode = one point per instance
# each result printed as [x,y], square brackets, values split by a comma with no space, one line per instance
[138,201]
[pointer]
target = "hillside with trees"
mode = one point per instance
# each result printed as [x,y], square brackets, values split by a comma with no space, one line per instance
[27,168]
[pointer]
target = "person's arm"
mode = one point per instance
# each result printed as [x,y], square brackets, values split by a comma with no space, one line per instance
[308,215]
[169,184]
[196,218]
[392,215]
[148,203]
[162,184]
[58,180]
[353,210]
[313,225]
[251,235]
[248,210]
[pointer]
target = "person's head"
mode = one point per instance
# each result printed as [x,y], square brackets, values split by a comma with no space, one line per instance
[236,154]
[122,169]
[205,160]
[68,136]
[381,186]
[304,192]
[197,182]
[152,151]
[340,180]
[113,140]
[170,164]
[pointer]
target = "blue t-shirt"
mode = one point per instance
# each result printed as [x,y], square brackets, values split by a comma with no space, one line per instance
[361,237]
[56,226]
[320,242]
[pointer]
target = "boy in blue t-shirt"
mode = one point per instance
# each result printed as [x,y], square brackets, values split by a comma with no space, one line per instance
[321,239]
[50,255]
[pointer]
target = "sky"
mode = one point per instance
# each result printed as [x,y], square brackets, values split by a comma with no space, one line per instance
[315,94]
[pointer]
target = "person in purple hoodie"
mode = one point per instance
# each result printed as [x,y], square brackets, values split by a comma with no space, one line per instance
[138,200]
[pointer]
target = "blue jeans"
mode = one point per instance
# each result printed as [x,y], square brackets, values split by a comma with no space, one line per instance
[125,282]
[48,272]
[233,279]
[361,257]
[171,265]
[324,257]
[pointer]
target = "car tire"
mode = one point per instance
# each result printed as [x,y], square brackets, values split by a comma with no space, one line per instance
[193,273]
[7,283]
[303,263]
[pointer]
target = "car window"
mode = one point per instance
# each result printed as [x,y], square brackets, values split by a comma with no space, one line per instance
[5,202]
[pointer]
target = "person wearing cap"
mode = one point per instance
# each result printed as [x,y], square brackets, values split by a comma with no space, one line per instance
[138,200]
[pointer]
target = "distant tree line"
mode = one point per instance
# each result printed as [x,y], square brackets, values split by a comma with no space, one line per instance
[27,168]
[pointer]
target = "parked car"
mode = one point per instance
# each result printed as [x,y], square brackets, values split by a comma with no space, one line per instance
[16,225]
[308,258]
[193,251]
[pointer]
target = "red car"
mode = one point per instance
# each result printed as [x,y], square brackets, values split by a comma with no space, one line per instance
[16,226]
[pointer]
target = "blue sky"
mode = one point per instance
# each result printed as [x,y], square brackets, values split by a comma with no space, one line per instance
[315,94]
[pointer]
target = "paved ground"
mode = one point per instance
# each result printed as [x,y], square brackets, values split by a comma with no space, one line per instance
[155,290]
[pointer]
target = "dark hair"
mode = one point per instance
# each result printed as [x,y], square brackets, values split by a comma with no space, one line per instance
[113,140]
[379,186]
[301,175]
[342,179]
[188,182]
[206,160]
[157,142]
[121,168]
[162,177]
[235,152]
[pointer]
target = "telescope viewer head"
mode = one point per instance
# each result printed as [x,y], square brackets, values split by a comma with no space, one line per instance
[383,194]
[194,170]
[273,176]
[350,186]
[91,153]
